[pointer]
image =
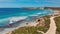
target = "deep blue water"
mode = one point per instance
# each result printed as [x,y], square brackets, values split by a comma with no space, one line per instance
[6,14]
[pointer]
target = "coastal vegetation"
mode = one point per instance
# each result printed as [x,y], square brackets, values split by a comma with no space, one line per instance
[57,21]
[34,29]
[47,23]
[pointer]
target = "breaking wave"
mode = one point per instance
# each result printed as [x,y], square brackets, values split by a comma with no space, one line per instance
[7,21]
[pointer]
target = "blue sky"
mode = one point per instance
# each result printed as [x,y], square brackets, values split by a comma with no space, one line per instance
[29,3]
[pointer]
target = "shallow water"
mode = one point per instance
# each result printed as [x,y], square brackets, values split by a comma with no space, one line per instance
[10,15]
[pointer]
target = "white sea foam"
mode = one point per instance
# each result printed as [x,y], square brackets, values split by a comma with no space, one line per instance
[12,19]
[33,15]
[39,13]
[17,18]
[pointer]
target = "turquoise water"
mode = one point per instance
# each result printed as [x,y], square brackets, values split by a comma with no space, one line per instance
[13,14]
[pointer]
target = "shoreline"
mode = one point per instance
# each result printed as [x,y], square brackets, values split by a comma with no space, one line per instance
[23,26]
[28,25]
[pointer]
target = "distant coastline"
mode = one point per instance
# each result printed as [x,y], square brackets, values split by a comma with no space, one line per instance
[32,8]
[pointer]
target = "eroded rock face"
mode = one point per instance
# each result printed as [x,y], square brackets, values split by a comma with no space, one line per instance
[41,21]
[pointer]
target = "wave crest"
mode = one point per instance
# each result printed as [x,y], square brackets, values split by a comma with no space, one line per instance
[7,21]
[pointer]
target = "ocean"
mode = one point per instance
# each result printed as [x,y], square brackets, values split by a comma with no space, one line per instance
[10,15]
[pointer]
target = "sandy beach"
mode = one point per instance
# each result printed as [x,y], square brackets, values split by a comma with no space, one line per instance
[24,24]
